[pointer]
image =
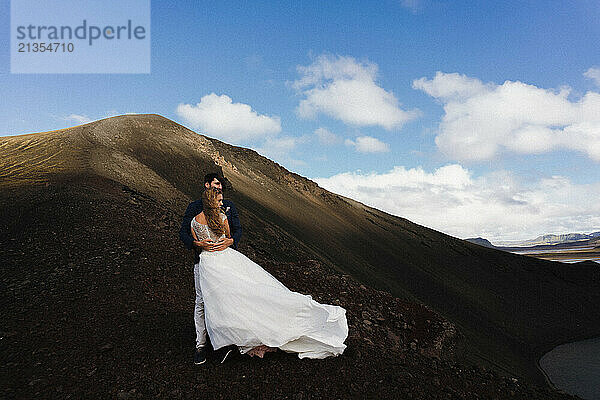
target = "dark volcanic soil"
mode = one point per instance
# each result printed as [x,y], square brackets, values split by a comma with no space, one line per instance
[97,298]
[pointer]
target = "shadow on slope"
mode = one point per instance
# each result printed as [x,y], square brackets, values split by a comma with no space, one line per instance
[97,300]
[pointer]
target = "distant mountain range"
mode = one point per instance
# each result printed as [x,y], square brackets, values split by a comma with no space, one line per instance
[543,240]
[481,241]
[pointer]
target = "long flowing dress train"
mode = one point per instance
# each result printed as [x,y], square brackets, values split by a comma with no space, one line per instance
[246,306]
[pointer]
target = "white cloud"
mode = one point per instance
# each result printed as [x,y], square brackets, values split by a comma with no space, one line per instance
[483,120]
[593,74]
[345,89]
[326,137]
[78,118]
[368,144]
[220,117]
[278,149]
[498,206]
[282,143]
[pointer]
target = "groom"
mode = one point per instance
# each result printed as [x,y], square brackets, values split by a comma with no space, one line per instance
[185,234]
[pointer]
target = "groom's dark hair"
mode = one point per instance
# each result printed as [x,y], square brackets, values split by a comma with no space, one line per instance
[208,178]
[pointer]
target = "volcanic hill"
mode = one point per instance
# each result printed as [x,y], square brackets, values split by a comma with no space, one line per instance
[97,290]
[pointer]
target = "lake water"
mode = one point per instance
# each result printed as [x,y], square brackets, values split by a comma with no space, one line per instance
[563,260]
[575,368]
[543,251]
[575,260]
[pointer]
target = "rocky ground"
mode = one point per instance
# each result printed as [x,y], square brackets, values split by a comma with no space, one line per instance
[97,298]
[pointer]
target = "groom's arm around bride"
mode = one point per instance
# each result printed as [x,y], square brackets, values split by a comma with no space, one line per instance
[195,208]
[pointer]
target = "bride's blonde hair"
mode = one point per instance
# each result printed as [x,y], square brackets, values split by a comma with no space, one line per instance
[212,210]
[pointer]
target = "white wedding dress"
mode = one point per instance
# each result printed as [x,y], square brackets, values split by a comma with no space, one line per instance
[246,306]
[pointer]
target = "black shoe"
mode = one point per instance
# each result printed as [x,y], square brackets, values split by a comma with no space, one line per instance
[200,356]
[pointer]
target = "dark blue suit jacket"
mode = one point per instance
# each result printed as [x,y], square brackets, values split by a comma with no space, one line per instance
[195,208]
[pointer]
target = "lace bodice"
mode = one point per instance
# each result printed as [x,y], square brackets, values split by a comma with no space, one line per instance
[204,232]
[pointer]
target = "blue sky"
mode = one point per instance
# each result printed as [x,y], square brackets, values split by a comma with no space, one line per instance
[448,113]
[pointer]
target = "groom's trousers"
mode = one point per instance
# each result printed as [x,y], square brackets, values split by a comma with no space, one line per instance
[199,309]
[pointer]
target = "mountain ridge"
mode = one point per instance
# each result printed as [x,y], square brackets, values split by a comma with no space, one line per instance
[287,216]
[481,241]
[550,239]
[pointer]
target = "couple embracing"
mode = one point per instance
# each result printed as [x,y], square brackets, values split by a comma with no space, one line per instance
[240,304]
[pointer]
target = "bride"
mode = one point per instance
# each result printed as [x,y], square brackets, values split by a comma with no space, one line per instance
[247,307]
